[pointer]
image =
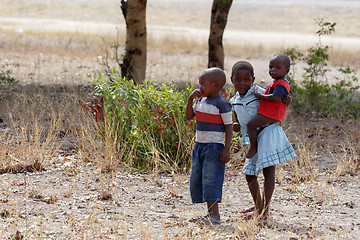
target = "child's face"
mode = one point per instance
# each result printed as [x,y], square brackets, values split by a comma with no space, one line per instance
[242,81]
[277,69]
[208,86]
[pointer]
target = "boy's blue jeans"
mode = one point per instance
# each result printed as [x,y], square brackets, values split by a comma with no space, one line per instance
[207,173]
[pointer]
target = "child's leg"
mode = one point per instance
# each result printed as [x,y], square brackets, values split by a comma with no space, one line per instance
[255,122]
[213,172]
[213,209]
[196,190]
[269,186]
[254,188]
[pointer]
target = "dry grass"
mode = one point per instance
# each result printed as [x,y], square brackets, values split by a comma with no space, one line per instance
[85,193]
[66,58]
[99,198]
[35,118]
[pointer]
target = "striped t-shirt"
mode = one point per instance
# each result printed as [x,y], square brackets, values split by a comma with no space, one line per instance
[212,114]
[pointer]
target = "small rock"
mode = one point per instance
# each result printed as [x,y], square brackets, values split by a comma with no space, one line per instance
[350,204]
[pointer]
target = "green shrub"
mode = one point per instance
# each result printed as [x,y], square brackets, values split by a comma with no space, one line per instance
[145,123]
[6,78]
[315,95]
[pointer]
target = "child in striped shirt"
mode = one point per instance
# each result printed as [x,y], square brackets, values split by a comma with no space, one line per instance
[213,124]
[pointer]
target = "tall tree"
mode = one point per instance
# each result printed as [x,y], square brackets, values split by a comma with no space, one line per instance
[219,14]
[134,60]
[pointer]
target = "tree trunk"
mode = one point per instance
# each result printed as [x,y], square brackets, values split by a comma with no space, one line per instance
[134,60]
[219,13]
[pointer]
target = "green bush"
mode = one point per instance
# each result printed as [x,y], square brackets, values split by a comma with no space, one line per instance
[145,123]
[315,95]
[6,78]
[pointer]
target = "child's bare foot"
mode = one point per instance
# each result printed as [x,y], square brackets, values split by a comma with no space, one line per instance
[254,216]
[251,152]
[247,210]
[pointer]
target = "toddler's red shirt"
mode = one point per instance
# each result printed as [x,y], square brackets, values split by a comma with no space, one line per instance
[274,110]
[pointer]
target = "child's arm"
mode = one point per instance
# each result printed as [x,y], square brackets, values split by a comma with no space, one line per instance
[268,97]
[225,154]
[236,125]
[189,112]
[280,94]
[286,100]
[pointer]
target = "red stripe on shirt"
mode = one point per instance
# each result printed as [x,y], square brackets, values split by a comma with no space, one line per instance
[209,118]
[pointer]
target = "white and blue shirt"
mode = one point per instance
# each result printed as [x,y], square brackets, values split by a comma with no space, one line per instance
[245,108]
[212,114]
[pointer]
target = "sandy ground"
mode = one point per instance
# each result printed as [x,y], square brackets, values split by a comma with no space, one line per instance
[68,202]
[72,200]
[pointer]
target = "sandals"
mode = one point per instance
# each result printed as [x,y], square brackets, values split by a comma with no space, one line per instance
[210,221]
[207,220]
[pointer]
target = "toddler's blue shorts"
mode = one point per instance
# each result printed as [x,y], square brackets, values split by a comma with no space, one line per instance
[207,173]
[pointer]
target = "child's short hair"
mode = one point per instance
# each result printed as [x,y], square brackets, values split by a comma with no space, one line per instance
[221,77]
[283,58]
[242,65]
[217,74]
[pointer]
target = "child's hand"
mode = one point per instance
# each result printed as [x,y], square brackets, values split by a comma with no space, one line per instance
[195,94]
[225,156]
[286,100]
[257,94]
[236,127]
[189,111]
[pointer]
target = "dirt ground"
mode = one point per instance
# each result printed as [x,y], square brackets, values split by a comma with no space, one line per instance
[72,199]
[56,204]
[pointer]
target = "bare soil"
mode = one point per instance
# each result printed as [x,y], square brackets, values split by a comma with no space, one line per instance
[72,199]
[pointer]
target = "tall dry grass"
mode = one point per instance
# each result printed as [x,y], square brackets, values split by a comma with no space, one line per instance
[41,121]
[44,121]
[72,131]
[326,153]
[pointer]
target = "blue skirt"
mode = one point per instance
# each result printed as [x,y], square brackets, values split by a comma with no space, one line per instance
[273,149]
